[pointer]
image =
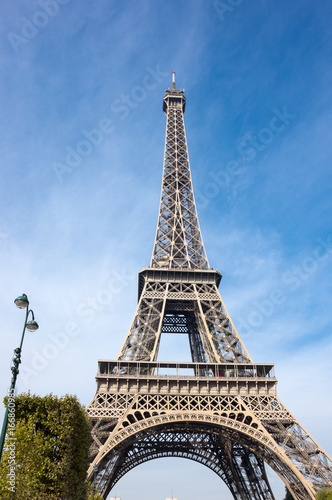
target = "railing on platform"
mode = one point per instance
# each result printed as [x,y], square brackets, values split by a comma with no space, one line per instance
[183,370]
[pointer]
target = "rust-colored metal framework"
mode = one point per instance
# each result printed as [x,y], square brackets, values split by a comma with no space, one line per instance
[221,409]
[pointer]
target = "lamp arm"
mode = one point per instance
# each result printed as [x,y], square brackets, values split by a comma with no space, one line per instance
[25,324]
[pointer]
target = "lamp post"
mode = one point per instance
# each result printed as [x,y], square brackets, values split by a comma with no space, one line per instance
[95,468]
[22,303]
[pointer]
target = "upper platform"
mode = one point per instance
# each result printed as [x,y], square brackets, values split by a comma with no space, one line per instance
[174,97]
[211,276]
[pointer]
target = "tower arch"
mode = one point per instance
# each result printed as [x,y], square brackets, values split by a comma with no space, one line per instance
[224,444]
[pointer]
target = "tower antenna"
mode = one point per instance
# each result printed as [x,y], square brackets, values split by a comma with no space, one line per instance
[173,80]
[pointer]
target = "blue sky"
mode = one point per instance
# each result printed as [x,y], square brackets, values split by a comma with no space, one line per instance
[82,138]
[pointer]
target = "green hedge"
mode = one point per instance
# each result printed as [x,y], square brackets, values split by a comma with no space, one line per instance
[46,456]
[324,494]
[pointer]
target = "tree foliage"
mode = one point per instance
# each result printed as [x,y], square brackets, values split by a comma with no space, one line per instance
[324,494]
[46,454]
[90,493]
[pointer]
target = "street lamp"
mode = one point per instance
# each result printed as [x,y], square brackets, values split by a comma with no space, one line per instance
[21,302]
[95,468]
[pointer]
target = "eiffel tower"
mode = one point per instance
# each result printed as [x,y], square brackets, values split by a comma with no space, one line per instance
[221,409]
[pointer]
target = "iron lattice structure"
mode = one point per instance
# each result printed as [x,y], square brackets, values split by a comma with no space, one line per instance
[221,409]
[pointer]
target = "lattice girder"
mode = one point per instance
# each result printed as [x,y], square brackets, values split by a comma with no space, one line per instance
[246,435]
[216,337]
[178,240]
[210,449]
[258,422]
